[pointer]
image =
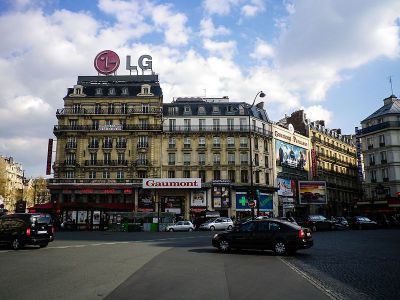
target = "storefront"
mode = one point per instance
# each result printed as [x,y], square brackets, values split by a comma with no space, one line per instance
[221,196]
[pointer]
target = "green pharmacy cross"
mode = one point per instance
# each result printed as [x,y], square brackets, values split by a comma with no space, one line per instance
[243,201]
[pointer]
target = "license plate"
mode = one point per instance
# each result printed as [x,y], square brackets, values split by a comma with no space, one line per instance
[42,232]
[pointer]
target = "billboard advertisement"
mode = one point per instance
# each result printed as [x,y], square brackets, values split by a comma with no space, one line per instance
[287,187]
[198,198]
[292,156]
[265,202]
[312,192]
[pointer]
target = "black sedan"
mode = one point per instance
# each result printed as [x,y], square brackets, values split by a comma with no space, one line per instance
[280,236]
[360,222]
[319,222]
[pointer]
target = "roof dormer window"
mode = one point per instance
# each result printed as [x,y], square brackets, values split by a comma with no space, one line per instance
[145,90]
[187,110]
[111,91]
[202,110]
[78,91]
[99,92]
[125,91]
[215,110]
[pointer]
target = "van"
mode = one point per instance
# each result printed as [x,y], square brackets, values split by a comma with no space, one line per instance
[20,229]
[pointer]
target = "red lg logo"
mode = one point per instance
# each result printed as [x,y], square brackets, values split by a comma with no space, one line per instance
[106,62]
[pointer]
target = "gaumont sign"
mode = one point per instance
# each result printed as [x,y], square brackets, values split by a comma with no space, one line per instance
[289,137]
[171,183]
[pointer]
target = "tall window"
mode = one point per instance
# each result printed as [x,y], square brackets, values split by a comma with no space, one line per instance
[232,175]
[202,175]
[230,141]
[107,142]
[256,159]
[92,174]
[171,174]
[216,126]
[187,124]
[186,142]
[171,142]
[372,159]
[243,141]
[143,124]
[244,176]
[171,158]
[266,163]
[120,174]
[97,108]
[373,175]
[95,124]
[124,108]
[107,158]
[111,108]
[106,174]
[383,157]
[256,143]
[202,141]
[257,176]
[231,158]
[70,174]
[244,158]
[93,158]
[202,124]
[121,158]
[202,159]
[217,159]
[231,124]
[243,124]
[186,159]
[71,158]
[216,141]
[385,175]
[217,174]
[186,173]
[381,140]
[76,108]
[267,178]
[172,124]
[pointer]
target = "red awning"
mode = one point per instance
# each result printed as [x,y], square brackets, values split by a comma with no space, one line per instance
[43,205]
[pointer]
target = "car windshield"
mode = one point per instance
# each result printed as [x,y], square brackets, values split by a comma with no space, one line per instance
[41,219]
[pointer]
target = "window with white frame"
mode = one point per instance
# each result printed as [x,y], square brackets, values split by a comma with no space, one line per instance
[187,124]
[70,174]
[202,141]
[186,159]
[216,141]
[202,159]
[243,141]
[92,174]
[172,124]
[171,142]
[231,124]
[186,142]
[231,158]
[202,124]
[216,126]
[244,158]
[217,159]
[171,158]
[381,140]
[120,174]
[231,141]
[106,174]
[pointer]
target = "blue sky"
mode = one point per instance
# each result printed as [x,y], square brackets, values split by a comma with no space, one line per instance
[331,58]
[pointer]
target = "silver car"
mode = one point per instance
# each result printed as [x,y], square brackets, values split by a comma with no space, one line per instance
[180,226]
[217,224]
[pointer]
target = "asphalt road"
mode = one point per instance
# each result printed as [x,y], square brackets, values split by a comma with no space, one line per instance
[113,265]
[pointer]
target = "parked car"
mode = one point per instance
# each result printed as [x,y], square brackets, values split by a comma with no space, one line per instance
[319,222]
[280,236]
[22,229]
[341,223]
[360,222]
[289,219]
[180,226]
[217,224]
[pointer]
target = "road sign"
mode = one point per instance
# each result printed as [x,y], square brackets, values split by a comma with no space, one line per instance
[252,204]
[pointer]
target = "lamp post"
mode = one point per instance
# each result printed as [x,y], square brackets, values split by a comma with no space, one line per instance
[252,192]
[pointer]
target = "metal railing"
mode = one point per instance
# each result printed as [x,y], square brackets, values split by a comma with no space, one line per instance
[211,128]
[122,127]
[107,111]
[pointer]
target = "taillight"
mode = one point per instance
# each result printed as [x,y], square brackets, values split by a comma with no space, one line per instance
[28,232]
[302,234]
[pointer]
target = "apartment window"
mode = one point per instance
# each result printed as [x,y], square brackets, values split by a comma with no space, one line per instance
[111,108]
[143,124]
[257,176]
[370,143]
[186,173]
[381,140]
[73,124]
[70,174]
[171,158]
[143,141]
[71,158]
[186,123]
[216,126]
[231,158]
[120,174]
[92,174]
[254,125]
[125,91]
[243,141]
[266,163]
[202,124]
[174,110]
[172,124]
[372,159]
[71,142]
[76,108]
[107,158]
[383,157]
[232,175]
[95,124]
[202,141]
[171,142]
[217,174]
[97,108]
[171,174]
[111,91]
[93,158]
[231,141]
[121,158]
[256,143]
[243,124]
[202,110]
[215,109]
[99,92]
[202,175]
[186,159]
[186,142]
[202,159]
[145,108]
[124,108]
[256,160]
[216,141]
[244,158]
[385,175]
[231,125]
[263,128]
[373,176]
[244,176]
[217,159]
[267,178]
[187,110]
[106,174]
[107,142]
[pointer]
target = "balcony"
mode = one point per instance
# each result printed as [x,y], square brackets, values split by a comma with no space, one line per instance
[101,163]
[53,181]
[107,111]
[380,126]
[382,144]
[212,128]
[386,179]
[93,145]
[69,162]
[370,147]
[372,163]
[383,161]
[186,146]
[106,128]
[142,145]
[121,145]
[107,145]
[142,162]
[70,146]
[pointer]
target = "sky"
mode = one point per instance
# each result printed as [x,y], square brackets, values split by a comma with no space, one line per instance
[331,58]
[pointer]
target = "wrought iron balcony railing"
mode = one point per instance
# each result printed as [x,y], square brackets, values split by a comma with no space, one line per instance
[380,126]
[100,163]
[107,111]
[94,181]
[211,128]
[108,128]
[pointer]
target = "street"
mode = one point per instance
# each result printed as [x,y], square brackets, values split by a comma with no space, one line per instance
[142,265]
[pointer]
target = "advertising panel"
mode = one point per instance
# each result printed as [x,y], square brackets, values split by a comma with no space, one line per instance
[172,204]
[359,158]
[286,187]
[49,155]
[82,216]
[312,192]
[198,199]
[96,217]
[288,155]
[145,200]
[265,202]
[221,196]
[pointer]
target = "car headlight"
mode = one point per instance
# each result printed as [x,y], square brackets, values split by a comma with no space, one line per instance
[215,236]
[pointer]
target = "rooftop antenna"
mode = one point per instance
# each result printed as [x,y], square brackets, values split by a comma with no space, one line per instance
[391,85]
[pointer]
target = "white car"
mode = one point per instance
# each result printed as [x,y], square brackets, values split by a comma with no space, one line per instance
[217,224]
[180,226]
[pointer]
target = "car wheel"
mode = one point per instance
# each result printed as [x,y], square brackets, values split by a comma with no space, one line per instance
[190,229]
[16,244]
[280,248]
[212,228]
[314,228]
[230,227]
[43,245]
[171,229]
[223,246]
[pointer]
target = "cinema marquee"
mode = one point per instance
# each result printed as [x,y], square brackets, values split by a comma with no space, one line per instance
[171,183]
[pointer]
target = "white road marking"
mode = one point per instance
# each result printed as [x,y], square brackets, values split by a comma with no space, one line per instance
[315,282]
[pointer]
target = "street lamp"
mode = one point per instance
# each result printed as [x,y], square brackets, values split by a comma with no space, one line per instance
[252,192]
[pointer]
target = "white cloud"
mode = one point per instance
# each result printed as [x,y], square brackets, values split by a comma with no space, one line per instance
[223,49]
[253,8]
[220,7]
[262,50]
[208,30]
[324,39]
[317,112]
